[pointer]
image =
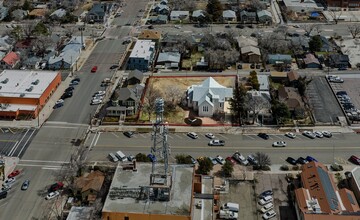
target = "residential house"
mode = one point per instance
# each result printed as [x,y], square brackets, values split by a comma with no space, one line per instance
[68,56]
[142,55]
[130,98]
[261,107]
[162,9]
[88,186]
[4,11]
[327,46]
[97,13]
[264,16]
[319,198]
[150,35]
[293,78]
[198,15]
[10,60]
[164,2]
[247,17]
[24,46]
[168,60]
[19,14]
[279,59]
[263,82]
[246,41]
[179,15]
[170,40]
[229,16]
[303,6]
[311,61]
[209,97]
[291,97]
[250,54]
[160,19]
[38,13]
[6,43]
[58,13]
[278,77]
[339,60]
[301,42]
[32,62]
[135,77]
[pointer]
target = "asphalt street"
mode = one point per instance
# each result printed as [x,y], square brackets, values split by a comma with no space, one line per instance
[338,148]
[14,142]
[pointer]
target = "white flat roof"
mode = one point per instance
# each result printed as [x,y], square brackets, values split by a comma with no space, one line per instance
[143,49]
[15,107]
[25,83]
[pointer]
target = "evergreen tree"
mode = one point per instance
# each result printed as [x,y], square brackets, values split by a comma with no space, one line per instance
[315,43]
[237,103]
[214,9]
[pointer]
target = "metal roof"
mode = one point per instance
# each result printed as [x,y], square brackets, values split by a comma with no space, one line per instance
[328,189]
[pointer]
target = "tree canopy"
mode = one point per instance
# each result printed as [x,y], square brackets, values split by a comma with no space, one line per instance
[205,165]
[227,169]
[214,9]
[237,103]
[315,43]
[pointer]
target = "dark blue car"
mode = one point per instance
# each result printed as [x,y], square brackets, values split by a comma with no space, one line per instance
[58,105]
[309,158]
[151,157]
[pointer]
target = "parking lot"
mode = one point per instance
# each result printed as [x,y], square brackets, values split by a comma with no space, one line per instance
[323,103]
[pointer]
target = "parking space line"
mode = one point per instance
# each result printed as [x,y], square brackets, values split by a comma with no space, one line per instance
[142,135]
[169,136]
[222,136]
[178,136]
[249,136]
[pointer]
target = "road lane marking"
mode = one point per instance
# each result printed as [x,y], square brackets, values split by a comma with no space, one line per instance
[65,123]
[97,139]
[37,165]
[13,149]
[142,135]
[249,137]
[178,136]
[222,136]
[26,143]
[115,134]
[44,161]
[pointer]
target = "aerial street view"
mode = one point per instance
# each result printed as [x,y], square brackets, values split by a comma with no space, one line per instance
[179,110]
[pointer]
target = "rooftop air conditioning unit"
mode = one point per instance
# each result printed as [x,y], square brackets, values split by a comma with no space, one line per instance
[22,94]
[35,82]
[5,81]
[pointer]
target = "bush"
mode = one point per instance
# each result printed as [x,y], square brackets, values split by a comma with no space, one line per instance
[141,158]
[284,167]
[183,159]
[295,167]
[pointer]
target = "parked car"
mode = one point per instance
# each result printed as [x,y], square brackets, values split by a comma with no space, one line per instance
[67,95]
[116,66]
[354,159]
[279,144]
[310,158]
[94,69]
[252,160]
[336,167]
[25,185]
[150,27]
[74,83]
[131,158]
[270,214]
[318,134]
[291,161]
[56,186]
[96,101]
[290,135]
[69,89]
[240,26]
[240,158]
[129,134]
[210,135]
[301,160]
[52,195]
[266,193]
[193,161]
[77,79]
[193,135]
[14,173]
[263,136]
[220,160]
[152,157]
[309,134]
[213,160]
[327,134]
[267,207]
[216,142]
[231,160]
[9,181]
[265,200]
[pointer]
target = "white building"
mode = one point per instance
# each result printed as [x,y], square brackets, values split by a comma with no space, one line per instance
[141,57]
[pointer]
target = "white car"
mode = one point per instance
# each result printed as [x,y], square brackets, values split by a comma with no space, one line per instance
[279,144]
[220,160]
[96,101]
[9,181]
[318,134]
[327,134]
[193,135]
[267,207]
[60,101]
[290,135]
[270,214]
[265,200]
[52,195]
[210,135]
[99,93]
[309,134]
[213,160]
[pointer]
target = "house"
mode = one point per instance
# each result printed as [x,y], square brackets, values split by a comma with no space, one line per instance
[339,60]
[6,43]
[311,61]
[10,60]
[142,55]
[150,35]
[278,77]
[58,13]
[279,59]
[293,77]
[303,6]
[96,13]
[80,213]
[250,54]
[164,2]
[229,16]
[179,15]
[209,97]
[162,9]
[318,197]
[32,62]
[4,11]
[38,12]
[264,16]
[327,46]
[300,42]
[19,14]
[261,106]
[170,40]
[247,17]
[246,41]
[160,19]
[129,98]
[89,185]
[169,60]
[198,15]
[291,97]
[135,77]
[23,46]
[263,82]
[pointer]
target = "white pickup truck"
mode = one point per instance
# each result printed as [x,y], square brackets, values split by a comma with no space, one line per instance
[216,142]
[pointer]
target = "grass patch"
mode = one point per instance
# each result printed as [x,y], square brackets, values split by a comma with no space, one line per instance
[195,57]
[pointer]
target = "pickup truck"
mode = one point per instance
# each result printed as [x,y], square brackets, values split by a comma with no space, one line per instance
[216,143]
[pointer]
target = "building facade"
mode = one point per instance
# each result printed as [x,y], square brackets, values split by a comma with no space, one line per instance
[141,57]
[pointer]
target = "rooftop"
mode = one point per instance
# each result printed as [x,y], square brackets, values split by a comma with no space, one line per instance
[143,49]
[80,213]
[180,193]
[25,83]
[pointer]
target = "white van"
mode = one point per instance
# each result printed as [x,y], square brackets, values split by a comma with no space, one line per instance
[113,157]
[121,156]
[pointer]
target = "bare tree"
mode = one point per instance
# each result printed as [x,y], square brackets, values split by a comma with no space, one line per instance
[151,95]
[256,104]
[41,43]
[257,5]
[173,93]
[354,30]
[335,15]
[28,29]
[263,160]
[308,28]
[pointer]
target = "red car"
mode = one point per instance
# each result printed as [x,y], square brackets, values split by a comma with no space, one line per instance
[94,69]
[56,186]
[14,173]
[231,160]
[354,159]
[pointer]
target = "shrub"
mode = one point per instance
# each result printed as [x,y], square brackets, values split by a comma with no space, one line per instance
[284,167]
[295,167]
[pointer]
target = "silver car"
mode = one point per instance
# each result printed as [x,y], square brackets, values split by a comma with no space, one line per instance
[279,144]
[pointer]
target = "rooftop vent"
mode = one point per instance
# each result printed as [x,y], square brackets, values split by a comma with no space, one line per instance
[29,89]
[5,81]
[22,94]
[35,82]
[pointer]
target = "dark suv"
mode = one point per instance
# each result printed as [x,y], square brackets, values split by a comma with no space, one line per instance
[354,159]
[129,134]
[263,136]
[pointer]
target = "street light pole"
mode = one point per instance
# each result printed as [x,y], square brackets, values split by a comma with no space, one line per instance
[81,29]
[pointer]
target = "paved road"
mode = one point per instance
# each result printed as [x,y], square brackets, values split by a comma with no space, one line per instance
[14,142]
[340,146]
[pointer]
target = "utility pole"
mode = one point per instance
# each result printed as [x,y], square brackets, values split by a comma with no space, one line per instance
[81,29]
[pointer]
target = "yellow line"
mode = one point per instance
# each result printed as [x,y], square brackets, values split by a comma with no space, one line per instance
[7,141]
